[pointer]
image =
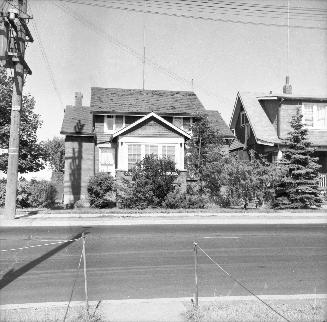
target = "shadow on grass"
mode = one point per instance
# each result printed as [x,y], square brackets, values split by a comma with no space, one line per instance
[12,274]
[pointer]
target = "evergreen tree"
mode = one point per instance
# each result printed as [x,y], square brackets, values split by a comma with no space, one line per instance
[299,188]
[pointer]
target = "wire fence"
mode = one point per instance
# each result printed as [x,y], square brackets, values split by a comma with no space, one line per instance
[82,237]
[196,247]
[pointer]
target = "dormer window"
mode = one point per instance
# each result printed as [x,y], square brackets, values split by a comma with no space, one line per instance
[243,118]
[113,123]
[315,115]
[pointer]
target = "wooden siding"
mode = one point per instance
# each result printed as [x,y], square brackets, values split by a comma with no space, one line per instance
[151,128]
[79,167]
[271,109]
[287,111]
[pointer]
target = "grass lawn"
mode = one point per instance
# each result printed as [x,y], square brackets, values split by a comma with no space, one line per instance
[304,310]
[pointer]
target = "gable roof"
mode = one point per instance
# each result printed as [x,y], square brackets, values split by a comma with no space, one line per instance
[217,121]
[77,120]
[146,117]
[144,101]
[262,128]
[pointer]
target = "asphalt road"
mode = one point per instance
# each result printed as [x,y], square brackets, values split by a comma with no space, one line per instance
[158,261]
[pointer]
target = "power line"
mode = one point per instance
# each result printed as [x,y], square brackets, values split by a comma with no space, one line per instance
[242,285]
[189,16]
[204,9]
[46,60]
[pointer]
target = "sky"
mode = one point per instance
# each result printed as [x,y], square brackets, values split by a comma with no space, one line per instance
[103,47]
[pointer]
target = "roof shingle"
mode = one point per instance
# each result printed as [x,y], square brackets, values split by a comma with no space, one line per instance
[77,120]
[144,101]
[217,121]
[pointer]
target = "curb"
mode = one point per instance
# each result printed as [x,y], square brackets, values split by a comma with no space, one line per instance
[216,220]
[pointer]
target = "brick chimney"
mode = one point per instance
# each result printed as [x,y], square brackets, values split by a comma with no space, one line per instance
[287,88]
[78,99]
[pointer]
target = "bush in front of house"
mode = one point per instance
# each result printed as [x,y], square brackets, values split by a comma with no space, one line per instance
[100,190]
[151,180]
[31,194]
[2,192]
[41,193]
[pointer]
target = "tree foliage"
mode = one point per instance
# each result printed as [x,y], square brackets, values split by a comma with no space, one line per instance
[152,179]
[31,152]
[204,149]
[235,182]
[300,186]
[54,151]
[100,190]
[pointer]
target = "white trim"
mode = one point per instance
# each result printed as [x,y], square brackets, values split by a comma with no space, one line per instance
[123,143]
[123,130]
[105,126]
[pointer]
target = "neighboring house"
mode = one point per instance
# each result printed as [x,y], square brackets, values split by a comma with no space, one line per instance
[260,122]
[121,126]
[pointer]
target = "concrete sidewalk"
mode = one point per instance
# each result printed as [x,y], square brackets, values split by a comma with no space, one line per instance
[246,218]
[155,310]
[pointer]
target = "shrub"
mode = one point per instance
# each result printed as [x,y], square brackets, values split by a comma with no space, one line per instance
[31,193]
[83,203]
[190,199]
[100,190]
[41,193]
[152,179]
[2,192]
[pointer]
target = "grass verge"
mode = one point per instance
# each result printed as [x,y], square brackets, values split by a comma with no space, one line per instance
[303,310]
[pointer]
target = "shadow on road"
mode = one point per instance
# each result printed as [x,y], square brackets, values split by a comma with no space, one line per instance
[12,274]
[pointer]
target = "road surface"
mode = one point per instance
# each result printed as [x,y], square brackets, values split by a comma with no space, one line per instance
[156,261]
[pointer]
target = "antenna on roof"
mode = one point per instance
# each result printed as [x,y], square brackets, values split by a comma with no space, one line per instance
[287,88]
[288,36]
[143,70]
[192,84]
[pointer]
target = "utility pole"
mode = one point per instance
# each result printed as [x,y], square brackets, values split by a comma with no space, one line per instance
[18,33]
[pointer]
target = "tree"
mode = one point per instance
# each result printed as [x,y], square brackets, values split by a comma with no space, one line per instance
[55,153]
[203,150]
[31,153]
[299,188]
[244,181]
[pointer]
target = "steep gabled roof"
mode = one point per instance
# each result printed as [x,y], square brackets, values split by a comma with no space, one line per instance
[144,101]
[262,128]
[217,121]
[77,120]
[148,116]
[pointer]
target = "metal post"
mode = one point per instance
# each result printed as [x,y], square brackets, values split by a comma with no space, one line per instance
[196,297]
[13,153]
[85,280]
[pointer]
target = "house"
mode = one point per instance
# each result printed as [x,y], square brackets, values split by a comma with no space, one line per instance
[121,126]
[261,121]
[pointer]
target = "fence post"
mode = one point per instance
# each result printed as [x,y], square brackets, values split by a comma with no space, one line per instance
[196,299]
[85,279]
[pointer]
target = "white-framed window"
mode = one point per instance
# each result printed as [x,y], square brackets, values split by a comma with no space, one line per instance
[136,152]
[151,149]
[134,155]
[168,151]
[107,160]
[315,115]
[243,118]
[184,123]
[113,123]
